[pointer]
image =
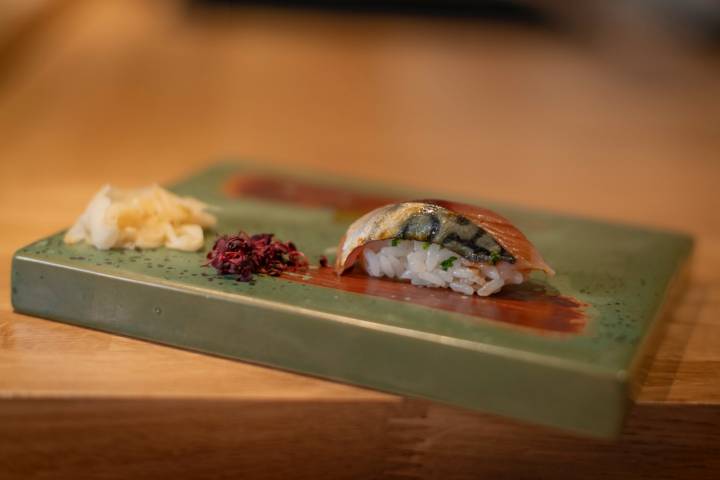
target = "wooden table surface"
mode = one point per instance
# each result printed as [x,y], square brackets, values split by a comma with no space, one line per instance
[136,92]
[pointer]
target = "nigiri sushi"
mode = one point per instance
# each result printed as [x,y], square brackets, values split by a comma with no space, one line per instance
[437,243]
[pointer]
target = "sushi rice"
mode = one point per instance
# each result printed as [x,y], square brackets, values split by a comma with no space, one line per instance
[430,265]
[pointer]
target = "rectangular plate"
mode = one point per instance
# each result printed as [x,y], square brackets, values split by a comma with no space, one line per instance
[562,351]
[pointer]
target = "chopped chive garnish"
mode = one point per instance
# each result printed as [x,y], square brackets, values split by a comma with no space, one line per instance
[494,257]
[426,245]
[395,242]
[445,264]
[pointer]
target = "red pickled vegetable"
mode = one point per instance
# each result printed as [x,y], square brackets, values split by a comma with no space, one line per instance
[246,255]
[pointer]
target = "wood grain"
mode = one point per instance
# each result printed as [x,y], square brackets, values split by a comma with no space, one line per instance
[310,439]
[134,92]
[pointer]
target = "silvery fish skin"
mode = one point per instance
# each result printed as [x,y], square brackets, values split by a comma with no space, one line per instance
[478,234]
[426,222]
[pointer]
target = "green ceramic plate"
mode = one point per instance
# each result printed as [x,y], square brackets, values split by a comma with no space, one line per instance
[564,351]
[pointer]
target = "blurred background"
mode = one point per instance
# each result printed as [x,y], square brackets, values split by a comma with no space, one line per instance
[606,109]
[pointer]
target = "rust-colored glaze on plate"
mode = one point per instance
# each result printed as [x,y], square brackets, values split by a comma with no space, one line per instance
[529,305]
[298,192]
